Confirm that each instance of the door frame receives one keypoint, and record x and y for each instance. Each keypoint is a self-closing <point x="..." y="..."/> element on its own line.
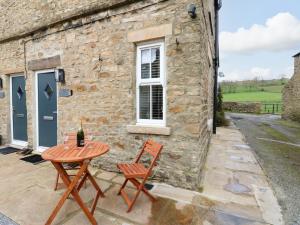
<point x="39" y="148"/>
<point x="13" y="141"/>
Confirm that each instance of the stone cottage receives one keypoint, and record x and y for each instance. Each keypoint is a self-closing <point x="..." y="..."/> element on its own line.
<point x="291" y="94"/>
<point x="129" y="69"/>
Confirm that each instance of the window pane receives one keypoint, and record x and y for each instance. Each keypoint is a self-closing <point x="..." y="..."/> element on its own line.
<point x="155" y="62"/>
<point x="145" y="67"/>
<point x="157" y="102"/>
<point x="144" y="102"/>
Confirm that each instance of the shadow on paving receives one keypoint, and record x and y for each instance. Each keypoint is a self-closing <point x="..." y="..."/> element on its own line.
<point x="277" y="144"/>
<point x="167" y="211"/>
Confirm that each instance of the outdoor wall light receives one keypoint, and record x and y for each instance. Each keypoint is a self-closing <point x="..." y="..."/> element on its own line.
<point x="192" y="11"/>
<point x="1" y="83"/>
<point x="60" y="76"/>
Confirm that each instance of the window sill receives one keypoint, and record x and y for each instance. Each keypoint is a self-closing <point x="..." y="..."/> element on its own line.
<point x="147" y="129"/>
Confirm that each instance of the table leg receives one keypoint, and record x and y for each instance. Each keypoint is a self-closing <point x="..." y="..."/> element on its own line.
<point x="71" y="190"/>
<point x="82" y="182"/>
<point x="96" y="186"/>
<point x="99" y="191"/>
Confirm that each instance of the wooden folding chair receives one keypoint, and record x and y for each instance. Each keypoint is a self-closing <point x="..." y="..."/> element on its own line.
<point x="71" y="138"/>
<point x="136" y="170"/>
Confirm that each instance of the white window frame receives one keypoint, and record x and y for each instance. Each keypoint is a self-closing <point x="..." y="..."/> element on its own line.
<point x="151" y="81"/>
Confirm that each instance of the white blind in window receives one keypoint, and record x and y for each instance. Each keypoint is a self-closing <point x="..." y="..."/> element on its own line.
<point x="150" y="63"/>
<point x="145" y="102"/>
<point x="150" y="84"/>
<point x="157" y="102"/>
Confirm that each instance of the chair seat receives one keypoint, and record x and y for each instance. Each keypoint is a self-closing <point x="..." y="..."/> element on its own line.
<point x="133" y="170"/>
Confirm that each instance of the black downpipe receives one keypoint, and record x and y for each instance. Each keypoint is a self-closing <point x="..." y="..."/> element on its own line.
<point x="218" y="5"/>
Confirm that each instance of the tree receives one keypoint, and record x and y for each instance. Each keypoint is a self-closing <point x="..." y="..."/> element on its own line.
<point x="220" y="115"/>
<point x="220" y="99"/>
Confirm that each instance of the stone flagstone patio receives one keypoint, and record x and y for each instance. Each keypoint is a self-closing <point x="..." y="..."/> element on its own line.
<point x="235" y="191"/>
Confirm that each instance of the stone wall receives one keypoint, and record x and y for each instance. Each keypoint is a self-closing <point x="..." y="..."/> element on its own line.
<point x="242" y="107"/>
<point x="104" y="91"/>
<point x="291" y="94"/>
<point x="11" y="61"/>
<point x="19" y="18"/>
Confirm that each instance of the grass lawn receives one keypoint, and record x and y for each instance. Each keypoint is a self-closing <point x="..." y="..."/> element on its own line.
<point x="260" y="96"/>
<point x="277" y="88"/>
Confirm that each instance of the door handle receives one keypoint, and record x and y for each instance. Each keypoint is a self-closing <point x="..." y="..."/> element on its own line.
<point x="20" y="115"/>
<point x="54" y="112"/>
<point x="48" y="117"/>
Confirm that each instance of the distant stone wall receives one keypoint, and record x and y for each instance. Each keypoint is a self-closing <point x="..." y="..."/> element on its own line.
<point x="291" y="95"/>
<point x="252" y="107"/>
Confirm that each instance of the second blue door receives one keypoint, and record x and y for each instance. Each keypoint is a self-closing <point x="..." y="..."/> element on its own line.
<point x="19" y="109"/>
<point x="47" y="109"/>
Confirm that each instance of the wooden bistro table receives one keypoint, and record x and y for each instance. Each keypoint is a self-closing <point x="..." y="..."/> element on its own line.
<point x="70" y="153"/>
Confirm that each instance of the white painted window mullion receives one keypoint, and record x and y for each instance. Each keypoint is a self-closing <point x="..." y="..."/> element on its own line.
<point x="151" y="116"/>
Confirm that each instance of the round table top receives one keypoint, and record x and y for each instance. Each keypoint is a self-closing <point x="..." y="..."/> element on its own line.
<point x="68" y="153"/>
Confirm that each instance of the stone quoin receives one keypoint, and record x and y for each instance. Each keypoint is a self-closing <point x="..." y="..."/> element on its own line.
<point x="291" y="94"/>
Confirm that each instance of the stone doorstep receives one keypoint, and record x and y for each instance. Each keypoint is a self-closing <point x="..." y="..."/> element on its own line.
<point x="174" y="193"/>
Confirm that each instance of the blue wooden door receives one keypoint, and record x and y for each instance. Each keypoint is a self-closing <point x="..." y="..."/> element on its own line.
<point x="19" y="111"/>
<point x="47" y="109"/>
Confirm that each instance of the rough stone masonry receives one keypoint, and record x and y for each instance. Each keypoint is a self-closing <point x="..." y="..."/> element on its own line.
<point x="95" y="42"/>
<point x="291" y="94"/>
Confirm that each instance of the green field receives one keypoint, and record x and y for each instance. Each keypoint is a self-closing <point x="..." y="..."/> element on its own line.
<point x="276" y="88"/>
<point x="269" y="93"/>
<point x="243" y="88"/>
<point x="260" y="96"/>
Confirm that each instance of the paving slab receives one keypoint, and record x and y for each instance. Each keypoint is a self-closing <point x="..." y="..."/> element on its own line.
<point x="26" y="188"/>
<point x="234" y="180"/>
<point x="119" y="179"/>
<point x="177" y="194"/>
<point x="105" y="175"/>
<point x="247" y="167"/>
<point x="33" y="206"/>
<point x="101" y="218"/>
<point x="268" y="204"/>
<point x="115" y="204"/>
<point x="4" y="220"/>
<point x="220" y="218"/>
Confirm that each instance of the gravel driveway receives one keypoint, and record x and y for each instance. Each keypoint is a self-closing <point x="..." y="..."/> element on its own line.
<point x="277" y="146"/>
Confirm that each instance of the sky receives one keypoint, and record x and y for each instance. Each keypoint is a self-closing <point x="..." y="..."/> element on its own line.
<point x="258" y="38"/>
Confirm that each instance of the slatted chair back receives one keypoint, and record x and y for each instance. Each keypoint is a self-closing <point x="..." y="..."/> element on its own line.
<point x="138" y="174"/>
<point x="152" y="148"/>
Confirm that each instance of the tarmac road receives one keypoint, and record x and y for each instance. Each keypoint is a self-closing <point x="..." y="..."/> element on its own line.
<point x="276" y="143"/>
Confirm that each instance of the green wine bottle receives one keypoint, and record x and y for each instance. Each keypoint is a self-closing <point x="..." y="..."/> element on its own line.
<point x="80" y="136"/>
